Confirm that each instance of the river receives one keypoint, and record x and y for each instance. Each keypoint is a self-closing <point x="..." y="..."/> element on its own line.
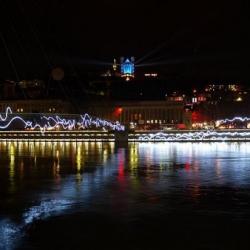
<point x="86" y="195"/>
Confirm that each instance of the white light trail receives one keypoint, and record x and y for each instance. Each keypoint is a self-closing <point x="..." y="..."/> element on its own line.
<point x="235" y="119"/>
<point x="52" y="122"/>
<point x="196" y="136"/>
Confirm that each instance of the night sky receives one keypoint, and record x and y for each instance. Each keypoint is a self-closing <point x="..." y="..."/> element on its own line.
<point x="189" y="41"/>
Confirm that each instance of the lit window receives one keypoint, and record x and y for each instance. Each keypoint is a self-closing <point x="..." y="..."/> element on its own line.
<point x="194" y="100"/>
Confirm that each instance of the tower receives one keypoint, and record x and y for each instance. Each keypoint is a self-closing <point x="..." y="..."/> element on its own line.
<point x="115" y="65"/>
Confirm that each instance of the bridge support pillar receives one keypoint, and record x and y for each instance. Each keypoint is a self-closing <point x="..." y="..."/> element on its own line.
<point x="121" y="137"/>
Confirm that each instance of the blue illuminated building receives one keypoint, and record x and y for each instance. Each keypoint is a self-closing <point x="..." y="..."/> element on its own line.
<point x="127" y="68"/>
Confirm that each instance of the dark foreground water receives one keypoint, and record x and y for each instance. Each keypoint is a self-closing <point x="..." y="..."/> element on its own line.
<point x="144" y="196"/>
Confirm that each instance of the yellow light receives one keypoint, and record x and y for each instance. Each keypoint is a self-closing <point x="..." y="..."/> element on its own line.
<point x="12" y="167"/>
<point x="79" y="158"/>
<point x="134" y="157"/>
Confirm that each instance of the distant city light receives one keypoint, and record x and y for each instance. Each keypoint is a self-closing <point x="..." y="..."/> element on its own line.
<point x="153" y="75"/>
<point x="118" y="111"/>
<point x="115" y="65"/>
<point x="194" y="100"/>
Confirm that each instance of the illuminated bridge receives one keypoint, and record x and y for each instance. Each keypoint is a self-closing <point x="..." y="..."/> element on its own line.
<point x="98" y="136"/>
<point x="41" y="127"/>
<point x="142" y="136"/>
<point x="191" y="136"/>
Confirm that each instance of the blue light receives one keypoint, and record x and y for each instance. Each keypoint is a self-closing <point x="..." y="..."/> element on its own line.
<point x="127" y="67"/>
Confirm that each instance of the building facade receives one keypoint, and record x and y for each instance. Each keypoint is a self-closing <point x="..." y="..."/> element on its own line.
<point x="36" y="106"/>
<point x="143" y="114"/>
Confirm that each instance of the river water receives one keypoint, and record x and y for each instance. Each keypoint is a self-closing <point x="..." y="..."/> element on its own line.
<point x="142" y="196"/>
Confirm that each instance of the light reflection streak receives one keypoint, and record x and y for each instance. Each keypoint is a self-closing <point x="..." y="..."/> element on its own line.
<point x="79" y="158"/>
<point x="21" y="170"/>
<point x="133" y="157"/>
<point x="57" y="162"/>
<point x="12" y="168"/>
<point x="105" y="155"/>
<point x="11" y="232"/>
<point x="44" y="210"/>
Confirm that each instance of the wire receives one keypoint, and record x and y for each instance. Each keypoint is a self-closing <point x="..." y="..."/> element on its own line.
<point x="9" y="57"/>
<point x="162" y="45"/>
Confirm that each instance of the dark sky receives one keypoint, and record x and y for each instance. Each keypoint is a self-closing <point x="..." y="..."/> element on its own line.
<point x="201" y="40"/>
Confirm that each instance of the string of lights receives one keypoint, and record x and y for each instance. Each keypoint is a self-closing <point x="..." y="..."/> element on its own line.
<point x="235" y="119"/>
<point x="196" y="136"/>
<point x="56" y="122"/>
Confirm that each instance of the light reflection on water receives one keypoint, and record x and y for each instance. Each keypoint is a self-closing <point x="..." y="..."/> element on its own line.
<point x="55" y="173"/>
<point x="41" y="180"/>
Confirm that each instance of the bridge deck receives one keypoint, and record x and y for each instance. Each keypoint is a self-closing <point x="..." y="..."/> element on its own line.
<point x="56" y="136"/>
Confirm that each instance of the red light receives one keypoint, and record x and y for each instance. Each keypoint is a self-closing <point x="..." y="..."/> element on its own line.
<point x="187" y="166"/>
<point x="121" y="167"/>
<point x="118" y="111"/>
<point x="195" y="116"/>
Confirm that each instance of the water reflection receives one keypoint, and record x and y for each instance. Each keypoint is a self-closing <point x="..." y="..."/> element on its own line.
<point x="42" y="175"/>
<point x="12" y="168"/>
<point x="39" y="180"/>
<point x="194" y="163"/>
<point x="34" y="154"/>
